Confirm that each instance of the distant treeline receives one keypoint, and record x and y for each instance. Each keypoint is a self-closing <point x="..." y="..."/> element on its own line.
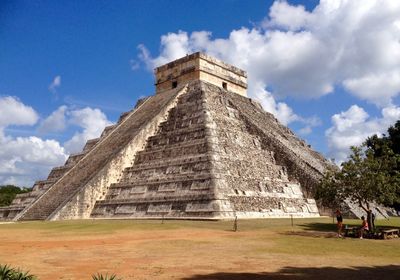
<point x="8" y="193"/>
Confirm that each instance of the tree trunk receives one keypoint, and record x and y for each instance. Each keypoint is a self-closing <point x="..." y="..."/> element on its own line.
<point x="369" y="220"/>
<point x="369" y="215"/>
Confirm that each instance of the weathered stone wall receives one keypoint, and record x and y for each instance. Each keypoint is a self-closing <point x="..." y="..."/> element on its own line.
<point x="250" y="178"/>
<point x="302" y="163"/>
<point x="199" y="66"/>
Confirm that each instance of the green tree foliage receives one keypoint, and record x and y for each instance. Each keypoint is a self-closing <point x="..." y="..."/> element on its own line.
<point x="8" y="193"/>
<point x="363" y="179"/>
<point x="380" y="145"/>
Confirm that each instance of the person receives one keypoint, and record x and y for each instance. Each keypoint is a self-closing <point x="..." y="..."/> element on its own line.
<point x="339" y="219"/>
<point x="235" y="224"/>
<point x="364" y="227"/>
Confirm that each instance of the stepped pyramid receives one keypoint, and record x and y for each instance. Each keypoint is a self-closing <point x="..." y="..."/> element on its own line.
<point x="197" y="149"/>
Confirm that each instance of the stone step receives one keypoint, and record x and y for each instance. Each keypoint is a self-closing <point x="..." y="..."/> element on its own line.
<point x="74" y="158"/>
<point x="159" y="172"/>
<point x="168" y="162"/>
<point x="154" y="149"/>
<point x="161" y="199"/>
<point x="179" y="131"/>
<point x="172" y="153"/>
<point x="178" y="114"/>
<point x="58" y="172"/>
<point x="101" y="153"/>
<point x="90" y="144"/>
<point x="164" y="180"/>
<point x="107" y="130"/>
<point x="180" y="124"/>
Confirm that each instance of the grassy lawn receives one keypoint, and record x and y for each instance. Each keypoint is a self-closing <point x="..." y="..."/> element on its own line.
<point x="142" y="249"/>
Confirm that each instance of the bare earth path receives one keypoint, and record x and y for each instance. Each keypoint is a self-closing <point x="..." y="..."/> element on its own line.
<point x="263" y="249"/>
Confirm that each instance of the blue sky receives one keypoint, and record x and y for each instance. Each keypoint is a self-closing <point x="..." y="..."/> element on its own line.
<point x="330" y="70"/>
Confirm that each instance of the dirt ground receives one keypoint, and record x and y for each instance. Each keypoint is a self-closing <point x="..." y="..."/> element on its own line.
<point x="187" y="252"/>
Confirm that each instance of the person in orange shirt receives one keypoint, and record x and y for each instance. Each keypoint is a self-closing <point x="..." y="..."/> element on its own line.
<point x="364" y="227"/>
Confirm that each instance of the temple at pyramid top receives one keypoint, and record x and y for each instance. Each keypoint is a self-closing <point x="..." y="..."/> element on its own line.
<point x="199" y="66"/>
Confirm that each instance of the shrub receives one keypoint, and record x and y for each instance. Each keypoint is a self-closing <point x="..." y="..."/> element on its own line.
<point x="9" y="273"/>
<point x="105" y="277"/>
<point x="5" y="272"/>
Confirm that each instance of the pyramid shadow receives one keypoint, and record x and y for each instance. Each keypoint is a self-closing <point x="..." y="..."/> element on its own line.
<point x="389" y="272"/>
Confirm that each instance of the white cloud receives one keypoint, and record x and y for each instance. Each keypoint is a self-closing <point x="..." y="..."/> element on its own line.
<point x="22" y="159"/>
<point x="135" y="65"/>
<point x="56" y="122"/>
<point x="352" y="127"/>
<point x="14" y="112"/>
<point x="56" y="83"/>
<point x="281" y="110"/>
<point x="281" y="14"/>
<point x="92" y="122"/>
<point x="305" y="54"/>
<point x="175" y="45"/>
<point x="370" y="87"/>
<point x="26" y="159"/>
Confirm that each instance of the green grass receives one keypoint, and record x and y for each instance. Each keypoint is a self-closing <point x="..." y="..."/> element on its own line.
<point x="112" y="226"/>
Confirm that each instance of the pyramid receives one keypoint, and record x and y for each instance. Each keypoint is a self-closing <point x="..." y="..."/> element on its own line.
<point x="197" y="149"/>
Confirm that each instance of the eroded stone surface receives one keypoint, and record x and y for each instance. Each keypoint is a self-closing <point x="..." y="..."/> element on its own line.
<point x="207" y="161"/>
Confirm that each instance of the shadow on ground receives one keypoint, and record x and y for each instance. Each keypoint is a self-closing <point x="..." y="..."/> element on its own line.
<point x="390" y="272"/>
<point x="319" y="227"/>
<point x="316" y="234"/>
<point x="319" y="230"/>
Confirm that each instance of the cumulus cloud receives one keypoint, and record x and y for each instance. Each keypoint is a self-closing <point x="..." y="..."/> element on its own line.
<point x="26" y="159"/>
<point x="352" y="127"/>
<point x="56" y="122"/>
<point x="14" y="112"/>
<point x="369" y="87"/>
<point x="306" y="54"/>
<point x="281" y="14"/>
<point x="92" y="122"/>
<point x="56" y="83"/>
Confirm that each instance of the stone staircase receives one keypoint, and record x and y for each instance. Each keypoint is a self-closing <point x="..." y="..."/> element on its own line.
<point x="96" y="153"/>
<point x="171" y="174"/>
<point x="204" y="163"/>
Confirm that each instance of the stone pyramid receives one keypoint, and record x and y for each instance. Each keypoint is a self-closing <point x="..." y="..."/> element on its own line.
<point x="197" y="149"/>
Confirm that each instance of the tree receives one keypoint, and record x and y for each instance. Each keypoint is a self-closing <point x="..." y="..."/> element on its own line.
<point x="363" y="179"/>
<point x="8" y="193"/>
<point x="379" y="146"/>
